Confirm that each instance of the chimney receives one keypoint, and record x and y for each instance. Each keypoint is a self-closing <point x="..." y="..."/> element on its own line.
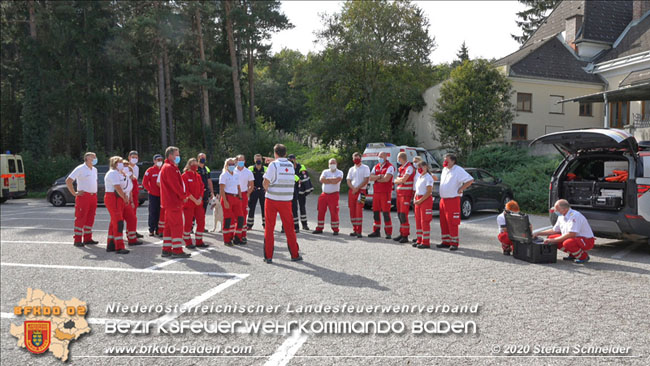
<point x="573" y="24"/>
<point x="639" y="7"/>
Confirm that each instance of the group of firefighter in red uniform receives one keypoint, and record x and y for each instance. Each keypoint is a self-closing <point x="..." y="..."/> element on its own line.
<point x="178" y="199"/>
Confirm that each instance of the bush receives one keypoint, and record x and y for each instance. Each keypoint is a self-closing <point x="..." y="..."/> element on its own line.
<point x="527" y="175"/>
<point x="40" y="174"/>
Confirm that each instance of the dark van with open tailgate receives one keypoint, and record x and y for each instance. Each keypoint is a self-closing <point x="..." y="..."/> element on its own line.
<point x="605" y="176"/>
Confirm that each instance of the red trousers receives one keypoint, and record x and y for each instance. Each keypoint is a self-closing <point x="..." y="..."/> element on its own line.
<point x="190" y="213"/>
<point x="243" y="213"/>
<point x="449" y="220"/>
<point x="423" y="213"/>
<point x="403" y="208"/>
<point x="230" y="215"/>
<point x="131" y="222"/>
<point x="161" y="220"/>
<point x="271" y="210"/>
<point x="85" y="207"/>
<point x="356" y="210"/>
<point x="173" y="234"/>
<point x="577" y="246"/>
<point x="328" y="201"/>
<point x="135" y="192"/>
<point x="506" y="244"/>
<point x="115" y="206"/>
<point x="381" y="204"/>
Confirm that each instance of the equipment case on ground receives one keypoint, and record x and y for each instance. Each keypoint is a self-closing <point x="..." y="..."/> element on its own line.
<point x="525" y="248"/>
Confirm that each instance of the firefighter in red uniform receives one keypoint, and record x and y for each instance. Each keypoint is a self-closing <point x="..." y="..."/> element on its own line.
<point x="193" y="208"/>
<point x="128" y="185"/>
<point x="85" y="202"/>
<point x="404" y="181"/>
<point x="150" y="183"/>
<point x="453" y="182"/>
<point x="172" y="196"/>
<point x="279" y="184"/>
<point x="114" y="200"/>
<point x="230" y="191"/>
<point x="382" y="175"/>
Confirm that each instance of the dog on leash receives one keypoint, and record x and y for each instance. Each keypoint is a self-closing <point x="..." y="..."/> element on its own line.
<point x="217" y="213"/>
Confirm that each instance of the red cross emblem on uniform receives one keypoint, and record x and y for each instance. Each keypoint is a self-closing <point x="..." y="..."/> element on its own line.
<point x="286" y="170"/>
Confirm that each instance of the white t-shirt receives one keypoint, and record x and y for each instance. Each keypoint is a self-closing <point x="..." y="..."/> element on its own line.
<point x="501" y="221"/>
<point x="417" y="176"/>
<point x="328" y="174"/>
<point x="136" y="171"/>
<point x="86" y="178"/>
<point x="573" y="222"/>
<point x="111" y="179"/>
<point x="357" y="174"/>
<point x="424" y="181"/>
<point x="230" y="181"/>
<point x="244" y="177"/>
<point x="127" y="185"/>
<point x="451" y="180"/>
<point x="390" y="170"/>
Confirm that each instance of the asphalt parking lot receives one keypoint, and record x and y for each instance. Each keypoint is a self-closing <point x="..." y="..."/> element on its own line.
<point x="603" y="303"/>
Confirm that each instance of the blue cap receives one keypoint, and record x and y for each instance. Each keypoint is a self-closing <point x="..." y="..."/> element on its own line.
<point x="157" y="156"/>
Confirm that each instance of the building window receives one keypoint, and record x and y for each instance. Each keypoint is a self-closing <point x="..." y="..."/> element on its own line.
<point x="519" y="131"/>
<point x="619" y="114"/>
<point x="585" y="109"/>
<point x="524" y="102"/>
<point x="556" y="106"/>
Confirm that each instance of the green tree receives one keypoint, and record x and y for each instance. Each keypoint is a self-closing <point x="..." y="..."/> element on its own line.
<point x="372" y="72"/>
<point x="461" y="56"/>
<point x="474" y="107"/>
<point x="531" y="18"/>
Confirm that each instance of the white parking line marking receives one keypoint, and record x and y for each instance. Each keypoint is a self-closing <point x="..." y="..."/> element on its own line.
<point x="117" y="269"/>
<point x="176" y="260"/>
<point x="199" y="299"/>
<point x="626" y="251"/>
<point x="287" y="350"/>
<point x="63" y="243"/>
<point x="481" y="219"/>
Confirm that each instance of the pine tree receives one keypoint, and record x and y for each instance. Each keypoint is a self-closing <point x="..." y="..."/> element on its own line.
<point x="533" y="17"/>
<point x="462" y="56"/>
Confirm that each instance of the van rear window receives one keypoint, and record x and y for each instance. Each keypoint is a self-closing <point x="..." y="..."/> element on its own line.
<point x="12" y="165"/>
<point x="20" y="166"/>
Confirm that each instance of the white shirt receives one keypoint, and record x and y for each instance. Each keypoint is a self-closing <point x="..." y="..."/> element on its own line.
<point x="451" y="180"/>
<point x="86" y="178"/>
<point x="244" y="177"/>
<point x="136" y="171"/>
<point x="573" y="222"/>
<point x="111" y="179"/>
<point x="417" y="176"/>
<point x="357" y="174"/>
<point x="424" y="181"/>
<point x="501" y="221"/>
<point x="328" y="174"/>
<point x="127" y="185"/>
<point x="281" y="177"/>
<point x="230" y="181"/>
<point x="390" y="170"/>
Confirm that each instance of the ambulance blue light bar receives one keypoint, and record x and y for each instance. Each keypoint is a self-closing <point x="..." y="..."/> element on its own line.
<point x="379" y="144"/>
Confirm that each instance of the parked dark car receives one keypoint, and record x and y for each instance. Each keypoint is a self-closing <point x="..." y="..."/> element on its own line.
<point x="486" y="193"/>
<point x="58" y="195"/>
<point x="586" y="177"/>
<point x="214" y="177"/>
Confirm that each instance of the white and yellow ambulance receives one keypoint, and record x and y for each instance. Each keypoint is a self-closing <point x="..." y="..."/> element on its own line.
<point x="12" y="177"/>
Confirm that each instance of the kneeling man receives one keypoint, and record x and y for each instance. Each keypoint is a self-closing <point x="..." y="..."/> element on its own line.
<point x="571" y="232"/>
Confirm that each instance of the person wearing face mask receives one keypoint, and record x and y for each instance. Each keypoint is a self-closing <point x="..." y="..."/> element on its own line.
<point x="246" y="180"/>
<point x="423" y="206"/>
<point x="230" y="191"/>
<point x="357" y="180"/>
<point x="204" y="173"/>
<point x="135" y="193"/>
<point x="404" y="181"/>
<point x="193" y="207"/>
<point x="172" y="198"/>
<point x="453" y="181"/>
<point x="257" y="195"/>
<point x="382" y="175"/>
<point x="571" y="232"/>
<point x="150" y="183"/>
<point x="85" y="202"/>
<point x="114" y="199"/>
<point x="329" y="200"/>
<point x="129" y="213"/>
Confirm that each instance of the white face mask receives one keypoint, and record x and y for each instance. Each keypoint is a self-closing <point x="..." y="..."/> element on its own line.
<point x="333" y="167"/>
<point x="120" y="166"/>
<point x="159" y="164"/>
<point x="134" y="160"/>
<point x="127" y="172"/>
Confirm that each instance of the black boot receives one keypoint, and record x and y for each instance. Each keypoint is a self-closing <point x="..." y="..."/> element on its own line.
<point x="375" y="234"/>
<point x="110" y="247"/>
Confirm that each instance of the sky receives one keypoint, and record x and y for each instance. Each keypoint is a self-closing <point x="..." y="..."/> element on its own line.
<point x="485" y="26"/>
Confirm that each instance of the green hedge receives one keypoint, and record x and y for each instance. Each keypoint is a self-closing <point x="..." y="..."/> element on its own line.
<point x="527" y="175"/>
<point x="40" y="174"/>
